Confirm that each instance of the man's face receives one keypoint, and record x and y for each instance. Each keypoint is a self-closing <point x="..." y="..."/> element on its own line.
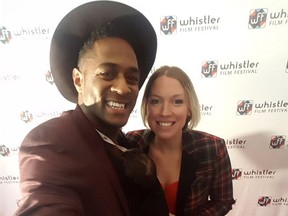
<point x="107" y="82"/>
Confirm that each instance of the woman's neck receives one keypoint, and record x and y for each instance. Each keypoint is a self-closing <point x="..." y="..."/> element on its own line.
<point x="167" y="155"/>
<point x="168" y="145"/>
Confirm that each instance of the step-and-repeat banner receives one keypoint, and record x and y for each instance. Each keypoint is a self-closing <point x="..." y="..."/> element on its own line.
<point x="235" y="51"/>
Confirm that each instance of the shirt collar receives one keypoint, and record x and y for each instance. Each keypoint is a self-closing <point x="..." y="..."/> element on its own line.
<point x="108" y="140"/>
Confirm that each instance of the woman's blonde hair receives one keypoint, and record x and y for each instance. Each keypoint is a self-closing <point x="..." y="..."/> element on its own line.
<point x="183" y="78"/>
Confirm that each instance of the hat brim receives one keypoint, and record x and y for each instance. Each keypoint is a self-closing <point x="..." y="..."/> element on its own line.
<point x="75" y="28"/>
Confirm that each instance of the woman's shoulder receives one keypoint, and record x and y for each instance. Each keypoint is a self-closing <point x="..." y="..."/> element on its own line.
<point x="200" y="141"/>
<point x="138" y="132"/>
<point x="197" y="134"/>
<point x="140" y="137"/>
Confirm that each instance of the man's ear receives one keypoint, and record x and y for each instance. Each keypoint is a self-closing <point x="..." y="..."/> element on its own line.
<point x="77" y="79"/>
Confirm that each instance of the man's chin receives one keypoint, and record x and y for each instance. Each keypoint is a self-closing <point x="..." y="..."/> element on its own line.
<point x="120" y="124"/>
<point x="117" y="123"/>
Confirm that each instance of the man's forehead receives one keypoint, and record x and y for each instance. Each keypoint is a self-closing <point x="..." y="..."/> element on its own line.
<point x="116" y="67"/>
<point x="111" y="42"/>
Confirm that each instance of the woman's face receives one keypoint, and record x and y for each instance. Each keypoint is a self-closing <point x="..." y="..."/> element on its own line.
<point x="167" y="108"/>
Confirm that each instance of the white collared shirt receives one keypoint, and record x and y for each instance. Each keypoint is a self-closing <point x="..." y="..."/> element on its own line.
<point x="108" y="140"/>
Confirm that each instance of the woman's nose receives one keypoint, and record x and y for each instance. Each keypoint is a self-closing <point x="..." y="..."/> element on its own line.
<point x="166" y="109"/>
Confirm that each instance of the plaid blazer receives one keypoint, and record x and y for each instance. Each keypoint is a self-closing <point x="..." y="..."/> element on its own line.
<point x="205" y="182"/>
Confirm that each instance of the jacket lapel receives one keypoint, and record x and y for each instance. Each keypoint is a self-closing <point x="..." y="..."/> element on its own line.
<point x="187" y="176"/>
<point x="97" y="145"/>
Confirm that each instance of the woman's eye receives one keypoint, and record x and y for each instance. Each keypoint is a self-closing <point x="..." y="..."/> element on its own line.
<point x="154" y="101"/>
<point x="178" y="101"/>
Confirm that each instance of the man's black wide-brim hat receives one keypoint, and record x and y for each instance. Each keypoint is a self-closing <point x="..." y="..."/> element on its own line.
<point x="76" y="27"/>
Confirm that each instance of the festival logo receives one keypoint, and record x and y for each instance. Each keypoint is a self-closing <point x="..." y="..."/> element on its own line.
<point x="236" y="174"/>
<point x="26" y="116"/>
<point x="281" y="201"/>
<point x="278" y="18"/>
<point x="245" y="67"/>
<point x="264" y="201"/>
<point x="209" y="69"/>
<point x="5" y="35"/>
<point x="135" y="113"/>
<point x="238" y="67"/>
<point x="253" y="174"/>
<point x="4" y="151"/>
<point x="9" y="179"/>
<point x="206" y="110"/>
<point x="257" y="18"/>
<point x="236" y="143"/>
<point x="49" y="77"/>
<point x="277" y="106"/>
<point x="277" y="142"/>
<point x="258" y="174"/>
<point x="168" y="25"/>
<point x="198" y="24"/>
<point x="7" y="77"/>
<point x="244" y="107"/>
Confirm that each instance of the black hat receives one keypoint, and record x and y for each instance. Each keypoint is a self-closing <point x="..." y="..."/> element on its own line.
<point x="76" y="27"/>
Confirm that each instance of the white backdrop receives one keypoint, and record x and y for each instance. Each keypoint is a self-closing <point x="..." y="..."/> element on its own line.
<point x="235" y="51"/>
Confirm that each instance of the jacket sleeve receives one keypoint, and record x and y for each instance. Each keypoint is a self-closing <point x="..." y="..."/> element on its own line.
<point x="44" y="177"/>
<point x="221" y="193"/>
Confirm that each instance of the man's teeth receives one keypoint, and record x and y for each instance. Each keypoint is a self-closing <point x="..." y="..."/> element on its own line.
<point x="116" y="105"/>
<point x="165" y="124"/>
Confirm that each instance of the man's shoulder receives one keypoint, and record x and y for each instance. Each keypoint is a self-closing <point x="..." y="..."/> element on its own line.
<point x="58" y="121"/>
<point x="51" y="128"/>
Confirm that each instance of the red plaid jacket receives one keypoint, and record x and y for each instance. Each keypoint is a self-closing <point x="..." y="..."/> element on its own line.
<point x="205" y="183"/>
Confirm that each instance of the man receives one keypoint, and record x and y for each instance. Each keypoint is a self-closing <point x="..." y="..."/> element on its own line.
<point x="101" y="53"/>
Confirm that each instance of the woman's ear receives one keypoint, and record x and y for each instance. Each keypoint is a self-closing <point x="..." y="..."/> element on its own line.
<point x="189" y="115"/>
<point x="77" y="77"/>
<point x="188" y="119"/>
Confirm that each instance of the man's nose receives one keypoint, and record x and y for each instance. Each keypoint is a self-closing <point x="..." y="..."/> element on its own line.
<point x="120" y="86"/>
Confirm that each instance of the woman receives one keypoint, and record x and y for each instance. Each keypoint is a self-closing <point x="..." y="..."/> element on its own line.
<point x="193" y="167"/>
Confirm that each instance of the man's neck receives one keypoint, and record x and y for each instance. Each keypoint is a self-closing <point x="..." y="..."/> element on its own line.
<point x="112" y="135"/>
<point x="111" y="131"/>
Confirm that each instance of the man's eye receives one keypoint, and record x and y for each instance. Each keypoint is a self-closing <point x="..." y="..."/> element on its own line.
<point x="132" y="80"/>
<point x="109" y="75"/>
